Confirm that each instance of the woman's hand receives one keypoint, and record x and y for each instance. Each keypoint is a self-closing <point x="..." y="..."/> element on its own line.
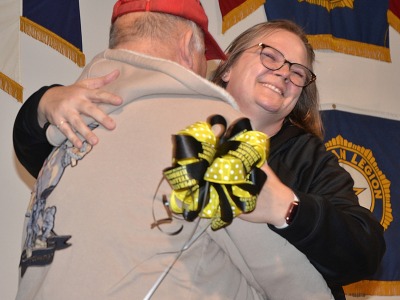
<point x="64" y="106"/>
<point x="272" y="202"/>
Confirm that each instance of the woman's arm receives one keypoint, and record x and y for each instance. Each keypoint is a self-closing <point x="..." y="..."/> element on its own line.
<point x="63" y="106"/>
<point x="29" y="138"/>
<point x="342" y="239"/>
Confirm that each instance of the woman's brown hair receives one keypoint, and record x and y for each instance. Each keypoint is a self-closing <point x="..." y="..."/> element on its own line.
<point x="306" y="113"/>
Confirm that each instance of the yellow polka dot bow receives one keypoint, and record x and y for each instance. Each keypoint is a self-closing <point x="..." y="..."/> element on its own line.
<point x="217" y="176"/>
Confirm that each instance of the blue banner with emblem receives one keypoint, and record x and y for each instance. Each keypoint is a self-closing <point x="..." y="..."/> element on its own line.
<point x="368" y="148"/>
<point x="349" y="26"/>
<point x="56" y="23"/>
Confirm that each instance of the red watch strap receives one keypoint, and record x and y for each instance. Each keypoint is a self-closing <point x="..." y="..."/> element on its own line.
<point x="292" y="211"/>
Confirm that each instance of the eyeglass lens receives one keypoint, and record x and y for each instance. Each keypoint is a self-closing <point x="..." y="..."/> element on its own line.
<point x="274" y="60"/>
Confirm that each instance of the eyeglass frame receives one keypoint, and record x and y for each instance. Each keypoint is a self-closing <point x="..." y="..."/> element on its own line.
<point x="285" y="61"/>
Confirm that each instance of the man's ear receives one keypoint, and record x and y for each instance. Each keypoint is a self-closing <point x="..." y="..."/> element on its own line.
<point x="186" y="49"/>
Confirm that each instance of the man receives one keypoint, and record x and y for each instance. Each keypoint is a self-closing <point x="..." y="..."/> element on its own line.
<point x="93" y="228"/>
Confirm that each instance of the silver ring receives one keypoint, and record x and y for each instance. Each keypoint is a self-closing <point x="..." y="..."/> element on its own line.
<point x="61" y="124"/>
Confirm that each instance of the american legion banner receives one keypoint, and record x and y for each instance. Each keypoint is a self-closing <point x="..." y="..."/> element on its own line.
<point x="367" y="146"/>
<point x="56" y="23"/>
<point x="356" y="27"/>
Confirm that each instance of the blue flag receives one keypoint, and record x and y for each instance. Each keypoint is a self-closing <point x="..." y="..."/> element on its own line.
<point x="56" y="23"/>
<point x="368" y="148"/>
<point x="353" y="27"/>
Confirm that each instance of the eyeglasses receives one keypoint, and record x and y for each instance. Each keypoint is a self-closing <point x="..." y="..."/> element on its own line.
<point x="273" y="60"/>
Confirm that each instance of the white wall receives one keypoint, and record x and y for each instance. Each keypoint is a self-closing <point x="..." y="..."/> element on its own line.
<point x="341" y="78"/>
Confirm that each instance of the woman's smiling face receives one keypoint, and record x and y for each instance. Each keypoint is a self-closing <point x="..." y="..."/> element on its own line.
<point x="259" y="91"/>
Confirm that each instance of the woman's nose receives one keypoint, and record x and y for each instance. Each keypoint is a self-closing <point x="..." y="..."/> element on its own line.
<point x="283" y="71"/>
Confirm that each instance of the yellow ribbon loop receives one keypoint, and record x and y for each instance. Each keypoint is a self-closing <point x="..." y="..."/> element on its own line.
<point x="217" y="177"/>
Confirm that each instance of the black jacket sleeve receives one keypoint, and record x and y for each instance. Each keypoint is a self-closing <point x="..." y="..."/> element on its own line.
<point x="30" y="144"/>
<point x="342" y="239"/>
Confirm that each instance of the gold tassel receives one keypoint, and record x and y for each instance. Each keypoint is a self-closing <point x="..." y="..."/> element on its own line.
<point x="393" y="20"/>
<point x="11" y="87"/>
<point x="327" y="41"/>
<point x="373" y="287"/>
<point x="239" y="13"/>
<point x="53" y="40"/>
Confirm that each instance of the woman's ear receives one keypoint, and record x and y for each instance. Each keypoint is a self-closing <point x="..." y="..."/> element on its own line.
<point x="226" y="76"/>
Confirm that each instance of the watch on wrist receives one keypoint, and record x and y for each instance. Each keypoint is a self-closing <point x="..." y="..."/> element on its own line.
<point x="292" y="211"/>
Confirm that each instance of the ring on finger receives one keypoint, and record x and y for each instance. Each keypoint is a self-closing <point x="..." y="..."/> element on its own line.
<point x="61" y="124"/>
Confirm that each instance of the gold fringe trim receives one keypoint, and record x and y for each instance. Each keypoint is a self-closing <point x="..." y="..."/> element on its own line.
<point x="51" y="39"/>
<point x="11" y="87"/>
<point x="393" y="20"/>
<point x="327" y="41"/>
<point x="239" y="13"/>
<point x="373" y="287"/>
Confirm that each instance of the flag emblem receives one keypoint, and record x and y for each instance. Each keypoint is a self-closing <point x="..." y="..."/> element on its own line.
<point x="331" y="4"/>
<point x="370" y="184"/>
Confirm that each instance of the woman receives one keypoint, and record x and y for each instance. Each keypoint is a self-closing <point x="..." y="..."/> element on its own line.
<point x="308" y="198"/>
<point x="269" y="73"/>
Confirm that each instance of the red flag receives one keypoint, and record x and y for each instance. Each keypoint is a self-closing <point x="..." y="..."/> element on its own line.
<point x="394" y="14"/>
<point x="233" y="11"/>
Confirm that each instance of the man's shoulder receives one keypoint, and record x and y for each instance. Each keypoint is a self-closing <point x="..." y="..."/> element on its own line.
<point x="152" y="73"/>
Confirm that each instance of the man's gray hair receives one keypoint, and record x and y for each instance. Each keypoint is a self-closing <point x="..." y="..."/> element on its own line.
<point x="161" y="27"/>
